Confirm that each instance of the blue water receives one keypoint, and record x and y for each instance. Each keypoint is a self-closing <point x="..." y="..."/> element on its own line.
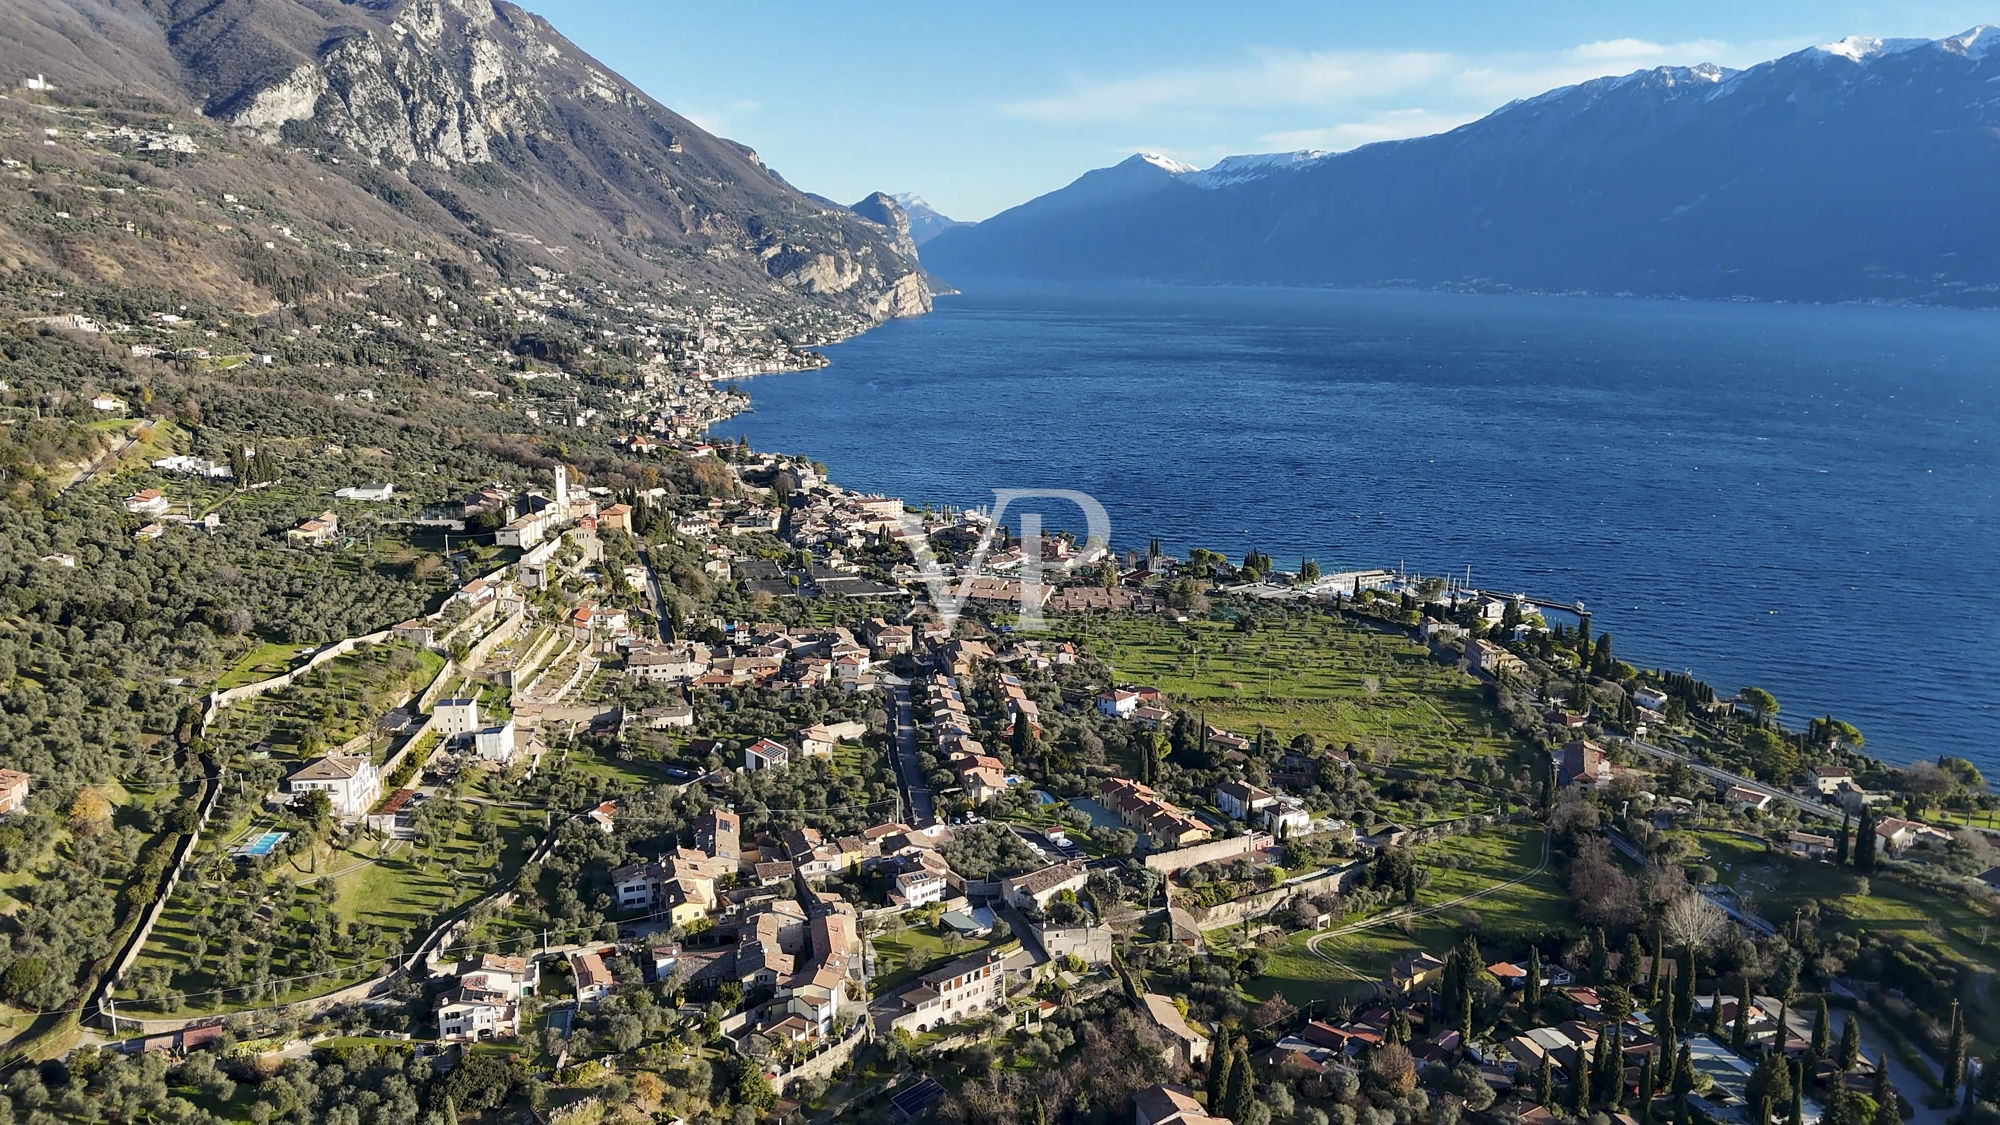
<point x="1801" y="498"/>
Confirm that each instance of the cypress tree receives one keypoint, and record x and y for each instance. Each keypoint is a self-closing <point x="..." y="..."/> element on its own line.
<point x="1822" y="1031"/>
<point x="1599" y="955"/>
<point x="1797" y="1116"/>
<point x="1628" y="961"/>
<point x="1647" y="1084"/>
<point x="1600" y="1067"/>
<point x="1534" y="991"/>
<point x="1545" y="1083"/>
<point x="1659" y="962"/>
<point x="1763" y="1111"/>
<point x="1886" y="1112"/>
<point x="1684" y="999"/>
<point x="1850" y="1045"/>
<point x="1842" y="844"/>
<point x="1465" y="1016"/>
<point x="1739" y="1035"/>
<point x="1242" y="1094"/>
<point x="1579" y="1089"/>
<point x="1614" y="1068"/>
<point x="1864" y="842"/>
<point x="1218" y="1077"/>
<point x="1683" y="1072"/>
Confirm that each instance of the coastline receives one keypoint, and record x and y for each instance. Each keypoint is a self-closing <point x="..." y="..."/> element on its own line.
<point x="1594" y="604"/>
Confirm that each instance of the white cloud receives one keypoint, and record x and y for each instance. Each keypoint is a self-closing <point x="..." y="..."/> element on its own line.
<point x="1365" y="94"/>
<point x="722" y="120"/>
<point x="1387" y="125"/>
<point x="1269" y="79"/>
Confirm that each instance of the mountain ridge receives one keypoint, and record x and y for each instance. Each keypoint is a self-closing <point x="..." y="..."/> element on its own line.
<point x="524" y="146"/>
<point x="1800" y="178"/>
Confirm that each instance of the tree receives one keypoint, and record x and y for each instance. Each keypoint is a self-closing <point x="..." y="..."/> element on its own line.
<point x="1865" y="841"/>
<point x="1886" y="1111"/>
<point x="1545" y="1083"/>
<point x="1579" y="1090"/>
<point x="1218" y="1076"/>
<point x="1850" y="1044"/>
<point x="1797" y="1115"/>
<point x="1647" y="1087"/>
<point x="1692" y="922"/>
<point x="1762" y="703"/>
<point x="1242" y="1092"/>
<point x="1739" y="1035"/>
<point x="1393" y="1066"/>
<point x="1534" y="990"/>
<point x="1842" y="843"/>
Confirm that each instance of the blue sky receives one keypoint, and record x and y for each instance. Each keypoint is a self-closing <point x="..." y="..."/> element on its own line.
<point x="978" y="107"/>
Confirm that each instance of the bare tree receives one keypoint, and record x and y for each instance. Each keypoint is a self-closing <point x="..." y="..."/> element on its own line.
<point x="1692" y="921"/>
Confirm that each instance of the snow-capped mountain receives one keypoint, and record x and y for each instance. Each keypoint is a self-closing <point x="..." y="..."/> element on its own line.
<point x="926" y="222"/>
<point x="1856" y="170"/>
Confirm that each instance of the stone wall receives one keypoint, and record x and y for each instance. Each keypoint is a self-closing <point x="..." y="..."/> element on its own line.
<point x="1166" y="863"/>
<point x="1264" y="902"/>
<point x="823" y="1065"/>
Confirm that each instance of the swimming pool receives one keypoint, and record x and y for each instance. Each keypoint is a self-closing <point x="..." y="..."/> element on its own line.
<point x="262" y="845"/>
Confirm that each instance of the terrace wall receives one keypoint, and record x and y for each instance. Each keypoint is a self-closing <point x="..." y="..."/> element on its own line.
<point x="1166" y="863"/>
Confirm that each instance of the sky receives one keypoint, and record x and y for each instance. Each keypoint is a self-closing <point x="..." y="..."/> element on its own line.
<point x="978" y="107"/>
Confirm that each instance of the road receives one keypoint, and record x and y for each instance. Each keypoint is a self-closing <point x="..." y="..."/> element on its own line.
<point x="1724" y="777"/>
<point x="109" y="456"/>
<point x="909" y="767"/>
<point x="660" y="619"/>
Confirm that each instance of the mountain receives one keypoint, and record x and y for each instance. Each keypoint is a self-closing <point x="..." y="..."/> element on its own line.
<point x="473" y="125"/>
<point x="882" y="209"/>
<point x="1859" y="170"/>
<point x="926" y="222"/>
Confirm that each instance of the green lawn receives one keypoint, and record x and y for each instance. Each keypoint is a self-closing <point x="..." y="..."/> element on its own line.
<point x="900" y="955"/>
<point x="396" y="888"/>
<point x="1306" y="672"/>
<point x="268" y="659"/>
<point x="1506" y="917"/>
<point x="1778" y="885"/>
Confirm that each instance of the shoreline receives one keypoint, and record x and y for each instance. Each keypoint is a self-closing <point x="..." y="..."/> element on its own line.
<point x="1556" y="606"/>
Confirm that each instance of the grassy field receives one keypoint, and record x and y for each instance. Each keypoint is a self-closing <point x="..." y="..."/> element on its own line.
<point x="1307" y="673"/>
<point x="1483" y="861"/>
<point x="394" y="887"/>
<point x="1778" y="885"/>
<point x="900" y="955"/>
<point x="268" y="659"/>
<point x="338" y="699"/>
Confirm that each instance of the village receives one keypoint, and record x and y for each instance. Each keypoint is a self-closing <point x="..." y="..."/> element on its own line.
<point x="808" y="949"/>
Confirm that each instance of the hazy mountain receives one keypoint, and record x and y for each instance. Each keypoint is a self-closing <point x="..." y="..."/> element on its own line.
<point x="926" y="222"/>
<point x="1857" y="170"/>
<point x="475" y="122"/>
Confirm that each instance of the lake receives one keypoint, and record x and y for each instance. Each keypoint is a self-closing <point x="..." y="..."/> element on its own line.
<point x="1797" y="497"/>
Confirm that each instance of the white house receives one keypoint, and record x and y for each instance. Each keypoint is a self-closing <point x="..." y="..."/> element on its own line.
<point x="109" y="404"/>
<point x="1827" y="780"/>
<point x="765" y="754"/>
<point x="485" y="1004"/>
<point x="372" y="493"/>
<point x="495" y="744"/>
<point x="351" y="783"/>
<point x="921" y="887"/>
<point x="593" y="980"/>
<point x="1287" y="815"/>
<point x="1651" y="699"/>
<point x="454" y="717"/>
<point x="1118" y="703"/>
<point x="147" y="502"/>
<point x="1239" y="800"/>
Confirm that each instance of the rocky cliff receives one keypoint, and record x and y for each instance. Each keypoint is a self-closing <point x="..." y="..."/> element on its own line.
<point x="479" y="120"/>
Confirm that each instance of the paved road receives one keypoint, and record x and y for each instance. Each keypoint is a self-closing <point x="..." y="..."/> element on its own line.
<point x="1724" y="777"/>
<point x="110" y="456"/>
<point x="909" y="767"/>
